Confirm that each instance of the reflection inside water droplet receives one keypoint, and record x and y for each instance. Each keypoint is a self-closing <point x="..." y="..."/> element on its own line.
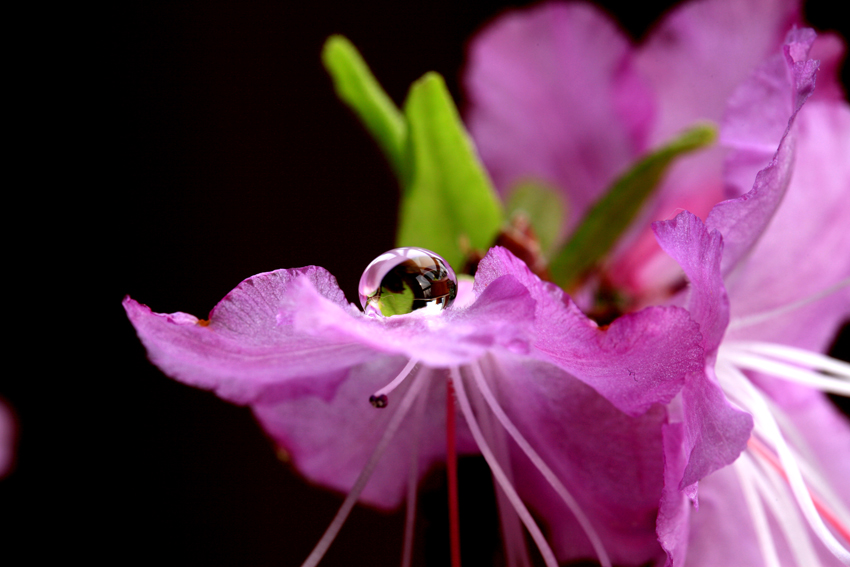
<point x="406" y="279"/>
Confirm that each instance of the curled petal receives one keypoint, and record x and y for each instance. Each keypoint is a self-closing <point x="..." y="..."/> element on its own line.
<point x="715" y="433"/>
<point x="809" y="233"/>
<point x="698" y="251"/>
<point x="777" y="89"/>
<point x="640" y="359"/>
<point x="248" y="348"/>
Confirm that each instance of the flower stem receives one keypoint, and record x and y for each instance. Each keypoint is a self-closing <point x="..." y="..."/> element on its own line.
<point x="451" y="466"/>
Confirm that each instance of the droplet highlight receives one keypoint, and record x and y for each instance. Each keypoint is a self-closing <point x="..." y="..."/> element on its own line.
<point x="403" y="280"/>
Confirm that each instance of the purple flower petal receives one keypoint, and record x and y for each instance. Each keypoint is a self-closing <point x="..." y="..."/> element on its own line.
<point x="715" y="432"/>
<point x="701" y="51"/>
<point x="808" y="233"/>
<point x="751" y="127"/>
<point x="554" y="96"/>
<point x="699" y="252"/>
<point x="248" y="347"/>
<point x="640" y="359"/>
<point x="610" y="462"/>
<point x="674" y="510"/>
<point x="330" y="440"/>
<point x="500" y="316"/>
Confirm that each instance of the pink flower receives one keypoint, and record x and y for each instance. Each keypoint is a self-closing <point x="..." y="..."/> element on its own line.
<point x="560" y="96"/>
<point x="582" y="404"/>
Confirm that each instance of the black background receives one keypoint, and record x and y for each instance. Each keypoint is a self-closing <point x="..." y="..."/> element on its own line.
<point x="180" y="148"/>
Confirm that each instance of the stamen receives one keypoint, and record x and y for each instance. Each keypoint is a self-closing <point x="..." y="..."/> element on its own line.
<point x="379" y="398"/>
<point x="413" y="480"/>
<point x="451" y="470"/>
<point x="771" y="432"/>
<point x="513" y="533"/>
<point x="768" y="457"/>
<point x="744" y="469"/>
<point x="351" y="499"/>
<point x="541" y="465"/>
<point x="758" y="362"/>
<point x="767" y="315"/>
<point x="774" y="491"/>
<point x="804" y="357"/>
<point x="498" y="473"/>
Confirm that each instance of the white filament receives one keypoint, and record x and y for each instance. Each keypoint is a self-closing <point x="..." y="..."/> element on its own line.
<point x="498" y="473"/>
<point x="773" y="435"/>
<point x="351" y="499"/>
<point x="413" y="480"/>
<point x="541" y="465"/>
<point x="397" y="380"/>
<point x="774" y="490"/>
<point x="744" y="469"/>
<point x="741" y="358"/>
<point x="516" y="551"/>
<point x="750" y="320"/>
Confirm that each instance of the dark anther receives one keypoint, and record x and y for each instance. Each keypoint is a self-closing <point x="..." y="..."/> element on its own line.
<point x="378" y="401"/>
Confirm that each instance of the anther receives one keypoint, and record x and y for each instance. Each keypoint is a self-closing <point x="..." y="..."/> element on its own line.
<point x="378" y="401"/>
<point x="379" y="398"/>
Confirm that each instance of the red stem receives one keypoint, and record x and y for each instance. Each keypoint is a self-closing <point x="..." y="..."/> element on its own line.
<point x="451" y="465"/>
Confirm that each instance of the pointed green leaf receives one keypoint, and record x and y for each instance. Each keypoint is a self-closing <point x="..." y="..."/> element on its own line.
<point x="613" y="213"/>
<point x="544" y="208"/>
<point x="447" y="193"/>
<point x="358" y="88"/>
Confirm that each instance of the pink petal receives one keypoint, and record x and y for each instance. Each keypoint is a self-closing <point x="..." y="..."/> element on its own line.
<point x="674" y="511"/>
<point x="699" y="253"/>
<point x="500" y="316"/>
<point x="554" y="96"/>
<point x="701" y="51"/>
<point x="610" y="462"/>
<point x="640" y="359"/>
<point x="715" y="432"/>
<point x="808" y="233"/>
<point x="754" y="121"/>
<point x="330" y="440"/>
<point x="248" y="348"/>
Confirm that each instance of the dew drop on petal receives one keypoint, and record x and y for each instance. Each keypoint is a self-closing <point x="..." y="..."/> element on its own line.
<point x="406" y="279"/>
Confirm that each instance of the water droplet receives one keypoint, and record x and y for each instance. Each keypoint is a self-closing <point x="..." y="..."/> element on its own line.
<point x="406" y="279"/>
<point x="378" y="401"/>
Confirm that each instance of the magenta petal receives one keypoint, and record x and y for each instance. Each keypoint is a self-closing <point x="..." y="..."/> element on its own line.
<point x="609" y="461"/>
<point x="699" y="253"/>
<point x="500" y="316"/>
<point x="808" y="232"/>
<point x="756" y="117"/>
<point x="554" y="96"/>
<point x="674" y="510"/>
<point x="330" y="440"/>
<point x="702" y="51"/>
<point x="715" y="432"/>
<point x="721" y="531"/>
<point x="640" y="359"/>
<point x="248" y="349"/>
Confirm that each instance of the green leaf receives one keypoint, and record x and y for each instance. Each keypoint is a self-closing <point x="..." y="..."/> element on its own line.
<point x="396" y="302"/>
<point x="358" y="88"/>
<point x="613" y="213"/>
<point x="447" y="194"/>
<point x="544" y="208"/>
